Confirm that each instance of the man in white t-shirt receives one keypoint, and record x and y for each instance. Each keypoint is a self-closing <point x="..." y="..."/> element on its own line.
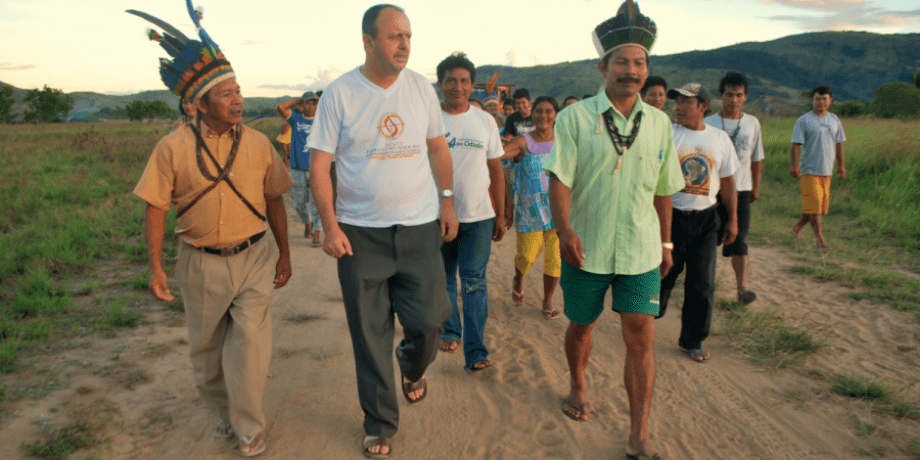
<point x="382" y="123"/>
<point x="475" y="149"/>
<point x="821" y="135"/>
<point x="708" y="161"/>
<point x="744" y="131"/>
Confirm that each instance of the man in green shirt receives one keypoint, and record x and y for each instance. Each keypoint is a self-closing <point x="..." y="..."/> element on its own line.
<point x="612" y="171"/>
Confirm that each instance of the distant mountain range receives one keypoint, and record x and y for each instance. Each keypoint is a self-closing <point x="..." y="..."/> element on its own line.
<point x="854" y="64"/>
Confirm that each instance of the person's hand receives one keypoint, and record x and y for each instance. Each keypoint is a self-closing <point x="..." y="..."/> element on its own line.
<point x="841" y="172"/>
<point x="570" y="247"/>
<point x="499" y="231"/>
<point x="755" y="193"/>
<point x="667" y="261"/>
<point x="336" y="244"/>
<point x="282" y="271"/>
<point x="158" y="285"/>
<point x="449" y="224"/>
<point x="731" y="232"/>
<point x="795" y="171"/>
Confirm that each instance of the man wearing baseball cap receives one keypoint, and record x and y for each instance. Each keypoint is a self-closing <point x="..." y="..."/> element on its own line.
<point x="708" y="162"/>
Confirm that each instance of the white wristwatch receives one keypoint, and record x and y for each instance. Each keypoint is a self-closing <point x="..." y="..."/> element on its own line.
<point x="668" y="246"/>
<point x="447" y="193"/>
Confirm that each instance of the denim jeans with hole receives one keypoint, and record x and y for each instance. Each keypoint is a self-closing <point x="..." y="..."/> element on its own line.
<point x="469" y="254"/>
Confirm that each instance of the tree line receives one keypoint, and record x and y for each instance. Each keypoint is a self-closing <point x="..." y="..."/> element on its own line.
<point x="892" y="100"/>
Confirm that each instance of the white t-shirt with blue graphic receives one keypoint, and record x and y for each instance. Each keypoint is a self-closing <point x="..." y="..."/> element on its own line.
<point x="473" y="139"/>
<point x="705" y="157"/>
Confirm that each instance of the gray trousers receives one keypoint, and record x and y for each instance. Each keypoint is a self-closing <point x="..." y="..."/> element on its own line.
<point x="393" y="270"/>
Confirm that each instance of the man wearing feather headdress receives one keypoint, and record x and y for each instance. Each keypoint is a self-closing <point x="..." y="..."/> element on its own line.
<point x="227" y="181"/>
<point x="612" y="172"/>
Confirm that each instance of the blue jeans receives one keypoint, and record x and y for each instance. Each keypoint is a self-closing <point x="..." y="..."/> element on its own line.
<point x="470" y="253"/>
<point x="300" y="194"/>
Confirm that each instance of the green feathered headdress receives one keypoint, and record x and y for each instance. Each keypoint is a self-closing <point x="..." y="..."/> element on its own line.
<point x="628" y="28"/>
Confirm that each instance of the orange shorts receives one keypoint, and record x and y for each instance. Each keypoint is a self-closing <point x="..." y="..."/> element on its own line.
<point x="816" y="194"/>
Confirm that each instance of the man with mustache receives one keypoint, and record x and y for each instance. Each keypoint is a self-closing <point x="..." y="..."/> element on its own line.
<point x="612" y="171"/>
<point x="708" y="155"/>
<point x="382" y="123"/>
<point x="744" y="131"/>
<point x="227" y="182"/>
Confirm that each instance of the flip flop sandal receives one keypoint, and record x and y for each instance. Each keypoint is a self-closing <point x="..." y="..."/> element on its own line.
<point x="224" y="430"/>
<point x="258" y="441"/>
<point x="583" y="409"/>
<point x="410" y="387"/>
<point x="372" y="441"/>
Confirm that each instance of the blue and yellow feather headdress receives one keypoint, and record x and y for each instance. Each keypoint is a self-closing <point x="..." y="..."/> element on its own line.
<point x="196" y="66"/>
<point x="628" y="28"/>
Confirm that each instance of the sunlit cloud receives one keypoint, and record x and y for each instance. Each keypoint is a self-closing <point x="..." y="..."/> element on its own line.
<point x="819" y="5"/>
<point x="322" y="78"/>
<point x="12" y="66"/>
<point x="857" y="18"/>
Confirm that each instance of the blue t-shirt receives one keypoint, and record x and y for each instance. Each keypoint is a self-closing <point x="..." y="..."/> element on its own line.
<point x="300" y="131"/>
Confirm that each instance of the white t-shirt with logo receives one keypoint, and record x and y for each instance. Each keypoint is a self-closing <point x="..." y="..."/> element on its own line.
<point x="705" y="157"/>
<point x="378" y="137"/>
<point x="748" y="144"/>
<point x="473" y="139"/>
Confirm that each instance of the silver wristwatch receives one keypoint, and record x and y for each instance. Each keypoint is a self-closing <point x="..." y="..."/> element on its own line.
<point x="447" y="193"/>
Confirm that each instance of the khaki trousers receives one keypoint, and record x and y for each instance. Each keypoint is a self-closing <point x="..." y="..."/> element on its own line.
<point x="229" y="326"/>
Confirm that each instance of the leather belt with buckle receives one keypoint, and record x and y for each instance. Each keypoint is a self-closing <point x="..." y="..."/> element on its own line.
<point x="232" y="251"/>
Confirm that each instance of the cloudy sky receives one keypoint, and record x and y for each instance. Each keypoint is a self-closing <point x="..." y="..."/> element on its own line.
<point x="280" y="47"/>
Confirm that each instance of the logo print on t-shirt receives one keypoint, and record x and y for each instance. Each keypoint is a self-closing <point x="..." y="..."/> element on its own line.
<point x="391" y="126"/>
<point x="697" y="168"/>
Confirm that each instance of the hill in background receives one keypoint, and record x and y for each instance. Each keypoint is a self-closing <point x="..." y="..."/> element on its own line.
<point x="854" y="64"/>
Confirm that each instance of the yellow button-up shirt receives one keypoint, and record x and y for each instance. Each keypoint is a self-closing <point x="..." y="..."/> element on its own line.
<point x="612" y="210"/>
<point x="219" y="219"/>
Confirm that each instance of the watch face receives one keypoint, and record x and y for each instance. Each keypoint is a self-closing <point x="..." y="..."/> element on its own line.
<point x="447" y="193"/>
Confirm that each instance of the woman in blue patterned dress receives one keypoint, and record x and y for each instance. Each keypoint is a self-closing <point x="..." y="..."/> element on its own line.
<point x="535" y="228"/>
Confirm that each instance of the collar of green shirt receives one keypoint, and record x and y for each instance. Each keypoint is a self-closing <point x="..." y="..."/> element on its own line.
<point x="602" y="104"/>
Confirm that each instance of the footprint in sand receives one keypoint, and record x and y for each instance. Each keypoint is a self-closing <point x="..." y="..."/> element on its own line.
<point x="548" y="434"/>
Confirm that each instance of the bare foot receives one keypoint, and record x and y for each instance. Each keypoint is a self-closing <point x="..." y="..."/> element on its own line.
<point x="449" y="345"/>
<point x="517" y="290"/>
<point x="480" y="365"/>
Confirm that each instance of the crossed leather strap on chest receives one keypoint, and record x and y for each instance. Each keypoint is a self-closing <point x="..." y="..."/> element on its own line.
<point x="223" y="173"/>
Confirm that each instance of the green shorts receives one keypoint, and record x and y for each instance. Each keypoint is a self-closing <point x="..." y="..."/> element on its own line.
<point x="584" y="292"/>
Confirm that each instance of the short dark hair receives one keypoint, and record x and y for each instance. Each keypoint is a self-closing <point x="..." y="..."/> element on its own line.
<point x="570" y="97"/>
<point x="822" y="90"/>
<point x="653" y="80"/>
<point x="733" y="78"/>
<point x="369" y="22"/>
<point x="456" y="60"/>
<point x="509" y="101"/>
<point x="521" y="93"/>
<point x="549" y="99"/>
<point x="587" y="96"/>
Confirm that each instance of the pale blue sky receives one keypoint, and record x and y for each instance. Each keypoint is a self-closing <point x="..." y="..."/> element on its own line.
<point x="285" y="47"/>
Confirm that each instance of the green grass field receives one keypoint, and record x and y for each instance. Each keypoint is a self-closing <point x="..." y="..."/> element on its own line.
<point x="68" y="213"/>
